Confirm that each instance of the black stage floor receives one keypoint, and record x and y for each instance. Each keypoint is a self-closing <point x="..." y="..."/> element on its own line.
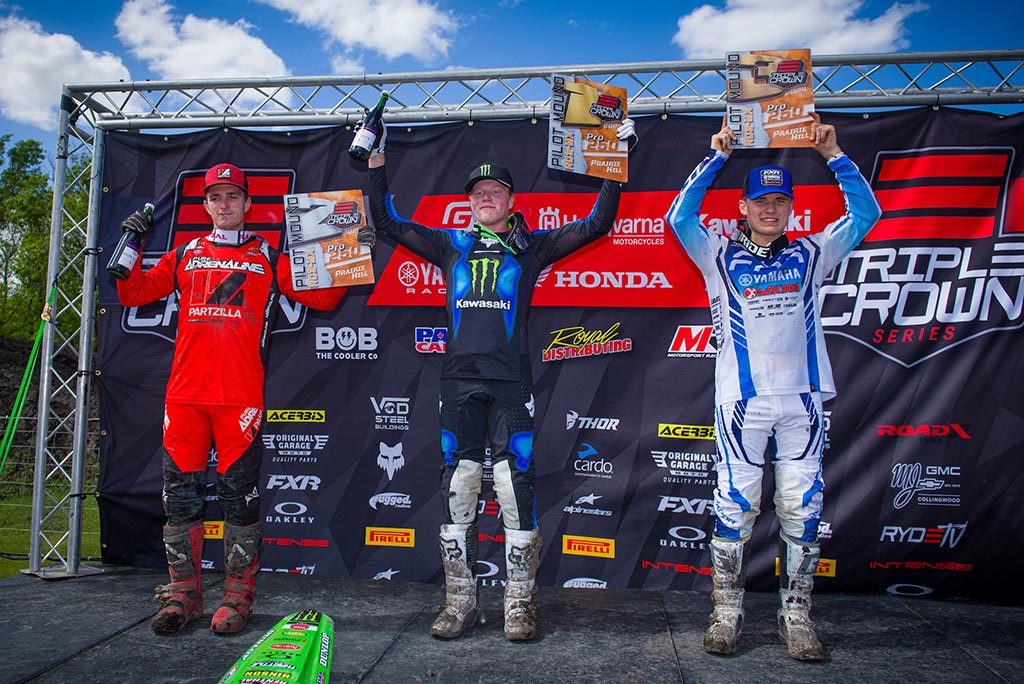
<point x="96" y="629"/>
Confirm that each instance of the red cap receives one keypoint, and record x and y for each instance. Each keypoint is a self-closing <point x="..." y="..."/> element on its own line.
<point x="226" y="173"/>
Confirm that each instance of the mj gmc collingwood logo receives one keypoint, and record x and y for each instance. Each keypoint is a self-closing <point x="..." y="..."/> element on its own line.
<point x="910" y="302"/>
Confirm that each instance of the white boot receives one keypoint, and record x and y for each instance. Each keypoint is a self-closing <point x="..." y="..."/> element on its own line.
<point x="797" y="565"/>
<point x="728" y="564"/>
<point x="522" y="557"/>
<point x="458" y="556"/>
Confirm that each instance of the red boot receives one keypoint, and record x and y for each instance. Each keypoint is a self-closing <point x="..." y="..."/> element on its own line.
<point x="241" y="545"/>
<point x="182" y="599"/>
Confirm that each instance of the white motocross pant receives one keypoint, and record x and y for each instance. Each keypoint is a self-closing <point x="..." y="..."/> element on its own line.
<point x="790" y="430"/>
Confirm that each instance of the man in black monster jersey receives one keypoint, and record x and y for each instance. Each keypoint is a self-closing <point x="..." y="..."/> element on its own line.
<point x="486" y="384"/>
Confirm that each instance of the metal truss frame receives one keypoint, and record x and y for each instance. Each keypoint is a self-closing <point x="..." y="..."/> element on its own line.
<point x="988" y="78"/>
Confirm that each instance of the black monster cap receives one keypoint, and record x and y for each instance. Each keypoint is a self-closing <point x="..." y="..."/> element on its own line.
<point x="491" y="171"/>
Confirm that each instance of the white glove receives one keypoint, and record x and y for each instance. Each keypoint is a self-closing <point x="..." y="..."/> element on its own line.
<point x="627" y="132"/>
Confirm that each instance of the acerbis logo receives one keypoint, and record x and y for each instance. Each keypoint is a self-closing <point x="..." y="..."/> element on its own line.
<point x="392" y="413"/>
<point x="573" y="419"/>
<point x="585" y="466"/>
<point x="675" y="431"/>
<point x="390" y="500"/>
<point x="911" y="302"/>
<point x="296" y="482"/>
<point x="946" y="535"/>
<point x="296" y="416"/>
<point x="693" y="341"/>
<point x="926" y="485"/>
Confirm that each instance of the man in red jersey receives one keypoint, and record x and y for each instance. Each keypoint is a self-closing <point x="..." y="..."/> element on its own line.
<point x="227" y="284"/>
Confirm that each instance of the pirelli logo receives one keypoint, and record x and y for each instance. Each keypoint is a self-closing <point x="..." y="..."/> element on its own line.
<point x="674" y="431"/>
<point x="588" y="546"/>
<point x="296" y="416"/>
<point x="391" y="536"/>
<point x="213" y="529"/>
<point x="826" y="567"/>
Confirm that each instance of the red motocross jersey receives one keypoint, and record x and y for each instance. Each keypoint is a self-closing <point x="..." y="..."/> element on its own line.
<point x="227" y="295"/>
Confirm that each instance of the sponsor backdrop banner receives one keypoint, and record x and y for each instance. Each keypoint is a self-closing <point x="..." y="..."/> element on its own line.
<point x="922" y="466"/>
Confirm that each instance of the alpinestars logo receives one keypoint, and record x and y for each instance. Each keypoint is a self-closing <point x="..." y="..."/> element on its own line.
<point x="907" y="292"/>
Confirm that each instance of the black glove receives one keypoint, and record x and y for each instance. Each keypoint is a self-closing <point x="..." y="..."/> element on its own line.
<point x="367" y="235"/>
<point x="138" y="221"/>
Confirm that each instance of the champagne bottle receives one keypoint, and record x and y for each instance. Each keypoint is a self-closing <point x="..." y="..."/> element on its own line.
<point x="369" y="131"/>
<point x="128" y="249"/>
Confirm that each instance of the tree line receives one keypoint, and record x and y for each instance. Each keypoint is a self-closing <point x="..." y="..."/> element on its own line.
<point x="26" y="205"/>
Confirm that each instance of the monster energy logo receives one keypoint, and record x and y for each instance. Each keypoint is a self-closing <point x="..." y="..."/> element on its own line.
<point x="485" y="170"/>
<point x="484" y="272"/>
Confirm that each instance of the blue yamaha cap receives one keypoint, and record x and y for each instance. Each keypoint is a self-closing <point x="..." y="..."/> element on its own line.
<point x="767" y="179"/>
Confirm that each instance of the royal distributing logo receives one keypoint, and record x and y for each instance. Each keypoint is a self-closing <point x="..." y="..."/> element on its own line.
<point x="678" y="431"/>
<point x="693" y="341"/>
<point x="598" y="547"/>
<point x="390" y="413"/>
<point x="431" y="340"/>
<point x="189" y="220"/>
<point x="577" y="342"/>
<point x="946" y="535"/>
<point x="404" y="537"/>
<point x="925" y="485"/>
<point x="684" y="467"/>
<point x="944" y="269"/>
<point x="294" y="447"/>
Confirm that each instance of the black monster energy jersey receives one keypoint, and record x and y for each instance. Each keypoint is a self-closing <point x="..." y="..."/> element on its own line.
<point x="488" y="286"/>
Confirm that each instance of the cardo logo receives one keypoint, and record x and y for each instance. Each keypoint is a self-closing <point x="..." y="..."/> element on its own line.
<point x="588" y="463"/>
<point x="575" y="420"/>
<point x="390" y="459"/>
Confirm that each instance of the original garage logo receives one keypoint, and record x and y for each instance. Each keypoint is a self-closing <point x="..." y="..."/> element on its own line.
<point x="942" y="266"/>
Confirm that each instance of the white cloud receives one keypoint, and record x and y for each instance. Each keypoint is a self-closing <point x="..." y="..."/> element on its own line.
<point x="35" y="65"/>
<point x="392" y="28"/>
<point x="193" y="47"/>
<point x="827" y="27"/>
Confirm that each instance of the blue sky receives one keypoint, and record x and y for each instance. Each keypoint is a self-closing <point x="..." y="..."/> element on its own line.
<point x="46" y="44"/>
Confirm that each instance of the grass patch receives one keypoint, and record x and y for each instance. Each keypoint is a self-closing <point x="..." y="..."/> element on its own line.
<point x="16" y="528"/>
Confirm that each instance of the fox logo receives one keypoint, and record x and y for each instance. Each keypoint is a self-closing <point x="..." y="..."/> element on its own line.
<point x="390" y="459"/>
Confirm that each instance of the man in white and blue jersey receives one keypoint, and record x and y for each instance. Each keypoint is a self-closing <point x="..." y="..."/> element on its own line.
<point x="772" y="373"/>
